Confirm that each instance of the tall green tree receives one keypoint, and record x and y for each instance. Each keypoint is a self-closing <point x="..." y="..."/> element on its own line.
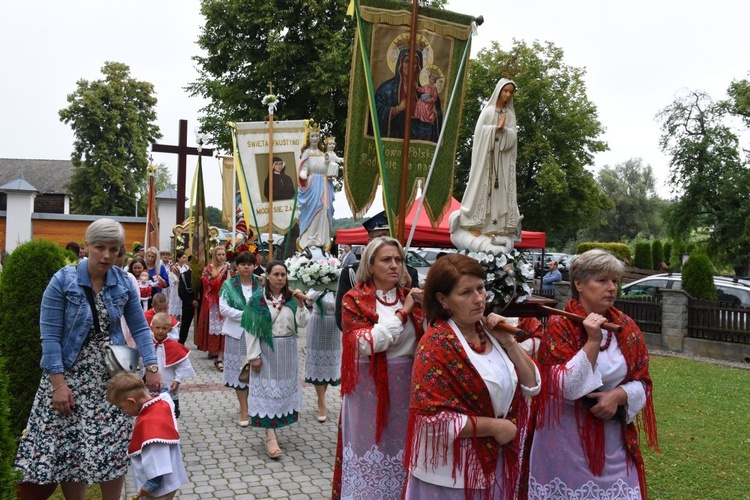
<point x="558" y="135"/>
<point x="113" y="121"/>
<point x="637" y="209"/>
<point x="712" y="181"/>
<point x="302" y="47"/>
<point x="162" y="181"/>
<point x="739" y="99"/>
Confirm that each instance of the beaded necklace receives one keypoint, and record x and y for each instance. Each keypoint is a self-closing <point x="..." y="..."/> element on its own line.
<point x="482" y="341"/>
<point x="278" y="303"/>
<point x="384" y="301"/>
<point x="608" y="342"/>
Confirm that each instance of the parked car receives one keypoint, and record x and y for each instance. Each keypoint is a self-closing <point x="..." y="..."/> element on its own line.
<point x="431" y="254"/>
<point x="419" y="263"/>
<point x="730" y="291"/>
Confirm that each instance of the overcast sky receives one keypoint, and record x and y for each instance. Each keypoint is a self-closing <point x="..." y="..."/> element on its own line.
<point x="638" y="56"/>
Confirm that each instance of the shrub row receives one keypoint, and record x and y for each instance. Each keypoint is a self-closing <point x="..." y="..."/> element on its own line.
<point x="24" y="278"/>
<point x="619" y="250"/>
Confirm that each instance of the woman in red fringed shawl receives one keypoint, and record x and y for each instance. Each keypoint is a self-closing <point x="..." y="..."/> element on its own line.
<point x="208" y="335"/>
<point x="577" y="451"/>
<point x="469" y="389"/>
<point x="381" y="326"/>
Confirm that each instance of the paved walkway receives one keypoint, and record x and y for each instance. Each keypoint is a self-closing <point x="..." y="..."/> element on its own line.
<point x="224" y="460"/>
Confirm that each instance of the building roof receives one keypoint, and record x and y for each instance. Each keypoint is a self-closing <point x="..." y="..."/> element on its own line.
<point x="18" y="185"/>
<point x="47" y="176"/>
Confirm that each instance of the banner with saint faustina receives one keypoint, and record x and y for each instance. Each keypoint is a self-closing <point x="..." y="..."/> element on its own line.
<point x="377" y="103"/>
<point x="257" y="190"/>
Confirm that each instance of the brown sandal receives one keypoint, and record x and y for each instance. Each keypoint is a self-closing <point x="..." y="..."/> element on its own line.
<point x="272" y="448"/>
<point x="219" y="365"/>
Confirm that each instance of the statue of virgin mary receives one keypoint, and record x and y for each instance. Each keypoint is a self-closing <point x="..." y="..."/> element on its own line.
<point x="489" y="220"/>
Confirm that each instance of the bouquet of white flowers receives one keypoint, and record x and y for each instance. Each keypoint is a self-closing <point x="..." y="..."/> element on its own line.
<point x="504" y="282"/>
<point x="311" y="272"/>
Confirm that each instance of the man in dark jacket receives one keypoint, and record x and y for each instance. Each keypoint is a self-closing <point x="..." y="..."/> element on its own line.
<point x="189" y="303"/>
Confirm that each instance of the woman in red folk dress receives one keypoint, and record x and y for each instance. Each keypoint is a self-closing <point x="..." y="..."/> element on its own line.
<point x="381" y="326"/>
<point x="470" y="385"/>
<point x="208" y="335"/>
<point x="584" y="439"/>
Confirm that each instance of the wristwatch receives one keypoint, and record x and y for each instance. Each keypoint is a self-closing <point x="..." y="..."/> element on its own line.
<point x="152" y="368"/>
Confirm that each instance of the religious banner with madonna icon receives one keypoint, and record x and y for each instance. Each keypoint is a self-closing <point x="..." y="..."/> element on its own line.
<point x="377" y="102"/>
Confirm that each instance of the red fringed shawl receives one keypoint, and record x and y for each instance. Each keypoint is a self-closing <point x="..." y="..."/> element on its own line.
<point x="531" y="327"/>
<point x="564" y="339"/>
<point x="358" y="317"/>
<point x="211" y="287"/>
<point x="444" y="385"/>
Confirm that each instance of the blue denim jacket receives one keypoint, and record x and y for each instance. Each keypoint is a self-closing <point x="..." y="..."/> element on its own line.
<point x="66" y="318"/>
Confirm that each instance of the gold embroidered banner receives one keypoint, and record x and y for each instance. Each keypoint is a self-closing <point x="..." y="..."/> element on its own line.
<point x="252" y="149"/>
<point x="383" y="40"/>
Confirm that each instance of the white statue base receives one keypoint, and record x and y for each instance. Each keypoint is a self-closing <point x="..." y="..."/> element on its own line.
<point x="467" y="240"/>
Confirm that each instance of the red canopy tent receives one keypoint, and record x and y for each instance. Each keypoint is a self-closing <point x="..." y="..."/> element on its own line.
<point x="426" y="236"/>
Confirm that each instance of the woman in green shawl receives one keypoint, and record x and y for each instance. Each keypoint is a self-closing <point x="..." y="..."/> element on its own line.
<point x="271" y="321"/>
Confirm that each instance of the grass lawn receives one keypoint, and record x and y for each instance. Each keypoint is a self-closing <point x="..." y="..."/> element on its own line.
<point x="703" y="416"/>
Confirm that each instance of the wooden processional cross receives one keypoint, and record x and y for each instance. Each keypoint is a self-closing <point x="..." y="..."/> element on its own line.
<point x="182" y="151"/>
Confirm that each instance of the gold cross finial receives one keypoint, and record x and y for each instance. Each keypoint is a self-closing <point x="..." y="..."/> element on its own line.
<point x="270" y="88"/>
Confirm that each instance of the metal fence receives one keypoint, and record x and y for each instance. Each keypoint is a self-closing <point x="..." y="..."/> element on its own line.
<point x="645" y="311"/>
<point x="549" y="295"/>
<point x="718" y="321"/>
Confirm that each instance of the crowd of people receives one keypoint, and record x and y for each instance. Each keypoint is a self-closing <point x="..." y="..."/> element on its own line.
<point x="440" y="398"/>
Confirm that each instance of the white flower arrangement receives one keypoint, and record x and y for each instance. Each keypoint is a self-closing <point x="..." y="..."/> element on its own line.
<point x="271" y="100"/>
<point x="505" y="282"/>
<point x="313" y="272"/>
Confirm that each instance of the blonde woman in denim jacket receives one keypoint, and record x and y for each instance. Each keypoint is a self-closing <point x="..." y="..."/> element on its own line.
<point x="74" y="436"/>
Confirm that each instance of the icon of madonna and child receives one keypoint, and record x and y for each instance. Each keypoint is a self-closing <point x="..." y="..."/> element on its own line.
<point x="391" y="94"/>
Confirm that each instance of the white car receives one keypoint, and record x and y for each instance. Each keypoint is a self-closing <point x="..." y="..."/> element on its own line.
<point x="730" y="291"/>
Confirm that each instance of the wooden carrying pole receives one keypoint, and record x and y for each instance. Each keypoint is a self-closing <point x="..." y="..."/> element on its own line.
<point x="270" y="182"/>
<point x="610" y="327"/>
<point x="407" y="123"/>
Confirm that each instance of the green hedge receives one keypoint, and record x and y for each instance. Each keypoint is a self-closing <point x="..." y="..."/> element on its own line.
<point x="8" y="475"/>
<point x="657" y="253"/>
<point x="667" y="252"/>
<point x="675" y="256"/>
<point x="698" y="277"/>
<point x="643" y="258"/>
<point x="619" y="250"/>
<point x="25" y="276"/>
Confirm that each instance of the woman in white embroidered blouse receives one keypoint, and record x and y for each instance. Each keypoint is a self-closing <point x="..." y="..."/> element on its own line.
<point x="233" y="297"/>
<point x="381" y="326"/>
<point x="469" y="388"/>
<point x="585" y="442"/>
<point x="271" y="320"/>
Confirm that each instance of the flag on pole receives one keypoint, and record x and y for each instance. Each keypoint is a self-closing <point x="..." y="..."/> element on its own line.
<point x="377" y="121"/>
<point x="152" y="217"/>
<point x="227" y="191"/>
<point x="199" y="245"/>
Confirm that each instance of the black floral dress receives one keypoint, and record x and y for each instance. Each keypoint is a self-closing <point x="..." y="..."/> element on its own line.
<point x="90" y="446"/>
